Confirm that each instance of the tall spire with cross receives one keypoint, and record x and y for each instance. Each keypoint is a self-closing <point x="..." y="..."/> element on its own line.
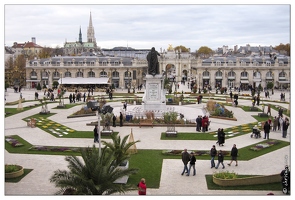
<point x="90" y="31"/>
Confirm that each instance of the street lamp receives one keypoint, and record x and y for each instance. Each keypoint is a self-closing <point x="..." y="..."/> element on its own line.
<point x="62" y="91"/>
<point x="129" y="75"/>
<point x="199" y="83"/>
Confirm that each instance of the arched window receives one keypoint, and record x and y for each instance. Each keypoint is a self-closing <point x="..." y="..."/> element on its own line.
<point x="231" y="74"/>
<point x="115" y="74"/>
<point x="33" y="73"/>
<point x="230" y="63"/>
<point x="103" y="74"/>
<point x="244" y="74"/>
<point x="282" y="75"/>
<point x="79" y="74"/>
<point x="55" y="74"/>
<point x="206" y="73"/>
<point x="218" y="73"/>
<point x="68" y="74"/>
<point x="91" y="74"/>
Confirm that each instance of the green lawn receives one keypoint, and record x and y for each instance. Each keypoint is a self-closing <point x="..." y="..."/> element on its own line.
<point x="149" y="162"/>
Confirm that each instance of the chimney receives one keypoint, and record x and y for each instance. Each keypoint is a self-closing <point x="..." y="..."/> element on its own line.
<point x="34" y="40"/>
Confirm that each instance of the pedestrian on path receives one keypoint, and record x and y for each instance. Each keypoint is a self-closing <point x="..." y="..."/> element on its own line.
<point x="192" y="164"/>
<point x="95" y="134"/>
<point x="266" y="129"/>
<point x="234" y="155"/>
<point x="220" y="159"/>
<point x="185" y="159"/>
<point x="121" y="119"/>
<point x="142" y="187"/>
<point x="285" y="127"/>
<point x="213" y="153"/>
<point x="275" y="123"/>
<point x="114" y="120"/>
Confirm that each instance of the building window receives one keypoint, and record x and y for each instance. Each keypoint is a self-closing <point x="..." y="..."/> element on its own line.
<point x="104" y="63"/>
<point x="231" y="74"/>
<point x="91" y="74"/>
<point x="281" y="63"/>
<point x="103" y="74"/>
<point x="268" y="63"/>
<point x="91" y="63"/>
<point x="116" y="63"/>
<point x="282" y="75"/>
<point x="218" y="63"/>
<point x="115" y="74"/>
<point x="230" y="63"/>
<point x="206" y="73"/>
<point x="68" y="74"/>
<point x="244" y="74"/>
<point x="218" y="73"/>
<point x="79" y="74"/>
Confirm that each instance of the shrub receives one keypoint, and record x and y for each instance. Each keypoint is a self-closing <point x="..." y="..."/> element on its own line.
<point x="225" y="175"/>
<point x="11" y="168"/>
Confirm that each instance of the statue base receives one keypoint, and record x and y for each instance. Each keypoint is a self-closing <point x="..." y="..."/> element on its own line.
<point x="154" y="99"/>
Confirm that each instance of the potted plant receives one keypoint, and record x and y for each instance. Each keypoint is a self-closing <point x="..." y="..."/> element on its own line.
<point x="13" y="171"/>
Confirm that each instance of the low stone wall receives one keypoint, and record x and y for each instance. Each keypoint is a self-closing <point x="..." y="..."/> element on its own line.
<point x="255" y="180"/>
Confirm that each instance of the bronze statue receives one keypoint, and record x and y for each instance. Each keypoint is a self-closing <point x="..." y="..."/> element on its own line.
<point x="153" y="64"/>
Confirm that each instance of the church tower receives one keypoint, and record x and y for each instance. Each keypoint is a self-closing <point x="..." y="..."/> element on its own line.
<point x="90" y="32"/>
<point x="80" y="36"/>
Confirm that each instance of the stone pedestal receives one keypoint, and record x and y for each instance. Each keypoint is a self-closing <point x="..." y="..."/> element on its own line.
<point x="154" y="96"/>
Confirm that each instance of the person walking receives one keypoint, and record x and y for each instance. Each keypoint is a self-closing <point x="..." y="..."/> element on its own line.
<point x="285" y="127"/>
<point x="218" y="136"/>
<point x="142" y="187"/>
<point x="220" y="159"/>
<point x="199" y="123"/>
<point x="121" y="119"/>
<point x="192" y="164"/>
<point x="266" y="129"/>
<point x="95" y="134"/>
<point x="185" y="159"/>
<point x="275" y="123"/>
<point x="268" y="110"/>
<point x="213" y="153"/>
<point x="222" y="137"/>
<point x="234" y="155"/>
<point x="114" y="120"/>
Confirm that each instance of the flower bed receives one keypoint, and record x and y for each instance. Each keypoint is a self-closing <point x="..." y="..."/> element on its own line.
<point x="13" y="142"/>
<point x="54" y="149"/>
<point x="197" y="152"/>
<point x="267" y="144"/>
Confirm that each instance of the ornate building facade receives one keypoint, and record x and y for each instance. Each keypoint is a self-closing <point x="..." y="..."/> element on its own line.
<point x="122" y="72"/>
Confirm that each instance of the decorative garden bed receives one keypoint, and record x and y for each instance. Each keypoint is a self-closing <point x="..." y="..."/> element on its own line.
<point x="255" y="180"/>
<point x="13" y="171"/>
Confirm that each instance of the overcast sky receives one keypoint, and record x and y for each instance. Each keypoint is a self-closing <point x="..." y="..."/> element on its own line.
<point x="146" y="26"/>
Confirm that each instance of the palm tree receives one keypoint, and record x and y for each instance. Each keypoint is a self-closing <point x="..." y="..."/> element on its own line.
<point x="95" y="176"/>
<point x="120" y="149"/>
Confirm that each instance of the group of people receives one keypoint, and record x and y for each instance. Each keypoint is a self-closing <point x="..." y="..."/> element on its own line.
<point x="202" y="123"/>
<point x="189" y="158"/>
<point x="77" y="97"/>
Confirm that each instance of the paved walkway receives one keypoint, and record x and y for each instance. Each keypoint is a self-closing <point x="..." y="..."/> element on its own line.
<point x="172" y="183"/>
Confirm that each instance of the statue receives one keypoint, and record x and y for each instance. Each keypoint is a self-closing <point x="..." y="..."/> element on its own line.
<point x="153" y="64"/>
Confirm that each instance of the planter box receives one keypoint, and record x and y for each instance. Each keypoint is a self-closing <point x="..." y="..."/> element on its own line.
<point x="15" y="174"/>
<point x="248" y="181"/>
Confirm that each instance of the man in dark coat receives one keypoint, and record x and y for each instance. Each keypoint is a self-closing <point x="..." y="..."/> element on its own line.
<point x="95" y="134"/>
<point x="185" y="159"/>
<point x="114" y="120"/>
<point x="121" y="119"/>
<point x="213" y="153"/>
<point x="266" y="129"/>
<point x="234" y="155"/>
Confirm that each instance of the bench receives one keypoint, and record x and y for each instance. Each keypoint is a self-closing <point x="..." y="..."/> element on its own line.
<point x="171" y="133"/>
<point x="31" y="123"/>
<point x="146" y="122"/>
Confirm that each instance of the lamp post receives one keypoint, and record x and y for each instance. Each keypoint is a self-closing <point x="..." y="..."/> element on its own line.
<point x="199" y="83"/>
<point x="62" y="93"/>
<point x="129" y="75"/>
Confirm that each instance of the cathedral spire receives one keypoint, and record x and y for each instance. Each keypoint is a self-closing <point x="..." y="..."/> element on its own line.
<point x="80" y="35"/>
<point x="90" y="31"/>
